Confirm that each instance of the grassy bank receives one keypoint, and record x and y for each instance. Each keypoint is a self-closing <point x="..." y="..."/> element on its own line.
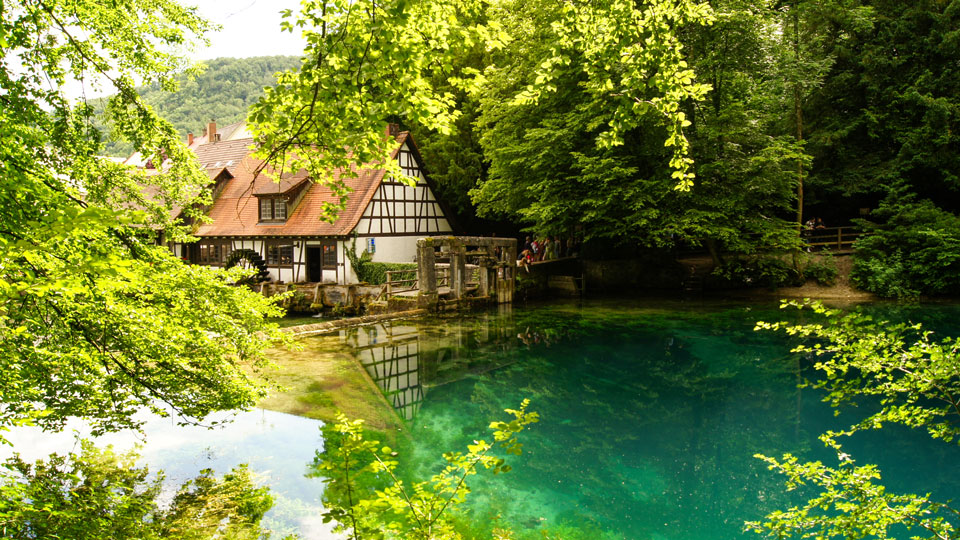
<point x="322" y="378"/>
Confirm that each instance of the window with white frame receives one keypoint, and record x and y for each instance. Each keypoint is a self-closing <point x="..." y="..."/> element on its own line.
<point x="273" y="209"/>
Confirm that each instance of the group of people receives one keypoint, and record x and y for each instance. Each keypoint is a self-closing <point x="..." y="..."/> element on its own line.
<point x="809" y="226"/>
<point x="546" y="248"/>
<point x="814" y="223"/>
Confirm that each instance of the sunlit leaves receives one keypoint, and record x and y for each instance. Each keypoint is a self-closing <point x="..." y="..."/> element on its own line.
<point x="368" y="62"/>
<point x="97" y="319"/>
<point x="850" y="504"/>
<point x="913" y="375"/>
<point x="418" y="510"/>
<point x="632" y="58"/>
<point x="365" y="63"/>
<point x="913" y="379"/>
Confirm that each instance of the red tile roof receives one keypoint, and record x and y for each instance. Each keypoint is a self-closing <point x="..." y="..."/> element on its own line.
<point x="289" y="182"/>
<point x="236" y="210"/>
<point x="223" y="154"/>
<point x="228" y="134"/>
<point x="152" y="192"/>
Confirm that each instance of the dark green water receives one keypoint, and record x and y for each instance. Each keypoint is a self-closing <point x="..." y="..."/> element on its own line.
<point x="651" y="414"/>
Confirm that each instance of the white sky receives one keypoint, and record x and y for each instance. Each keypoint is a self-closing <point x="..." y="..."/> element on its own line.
<point x="250" y="28"/>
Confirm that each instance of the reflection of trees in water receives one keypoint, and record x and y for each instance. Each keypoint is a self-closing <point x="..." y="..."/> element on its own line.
<point x="650" y="421"/>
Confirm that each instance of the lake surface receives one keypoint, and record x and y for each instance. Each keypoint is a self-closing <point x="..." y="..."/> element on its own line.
<point x="651" y="412"/>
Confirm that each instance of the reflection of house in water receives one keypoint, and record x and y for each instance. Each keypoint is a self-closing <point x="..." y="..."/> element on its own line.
<point x="405" y="358"/>
<point x="390" y="353"/>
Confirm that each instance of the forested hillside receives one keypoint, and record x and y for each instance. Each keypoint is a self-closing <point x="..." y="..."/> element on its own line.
<point x="223" y="92"/>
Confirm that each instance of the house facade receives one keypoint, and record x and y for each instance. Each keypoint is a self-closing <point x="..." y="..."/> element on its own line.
<point x="280" y="221"/>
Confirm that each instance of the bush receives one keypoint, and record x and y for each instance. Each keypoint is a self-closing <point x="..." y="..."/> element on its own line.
<point x="914" y="251"/>
<point x="376" y="273"/>
<point x="823" y="271"/>
<point x="757" y="272"/>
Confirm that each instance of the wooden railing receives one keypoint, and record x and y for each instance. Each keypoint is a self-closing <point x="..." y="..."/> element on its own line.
<point x="443" y="275"/>
<point x="396" y="283"/>
<point x="838" y="238"/>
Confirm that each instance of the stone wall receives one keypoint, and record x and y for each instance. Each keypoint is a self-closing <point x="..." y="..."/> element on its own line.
<point x="318" y="297"/>
<point x="642" y="274"/>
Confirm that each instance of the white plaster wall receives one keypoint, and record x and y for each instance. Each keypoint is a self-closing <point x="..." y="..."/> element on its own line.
<point x="394" y="249"/>
<point x="347" y="275"/>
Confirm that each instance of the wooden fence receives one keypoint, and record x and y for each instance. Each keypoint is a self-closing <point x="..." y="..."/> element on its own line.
<point x="833" y="238"/>
<point x="398" y="282"/>
<point x="404" y="281"/>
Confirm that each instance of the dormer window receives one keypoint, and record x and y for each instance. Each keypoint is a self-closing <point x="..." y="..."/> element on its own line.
<point x="273" y="209"/>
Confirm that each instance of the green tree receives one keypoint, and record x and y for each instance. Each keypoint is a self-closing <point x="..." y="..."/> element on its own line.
<point x="913" y="378"/>
<point x="575" y="114"/>
<point x="888" y="111"/>
<point x="367" y="62"/>
<point x="102" y="494"/>
<point x="883" y="132"/>
<point x="745" y="165"/>
<point x="420" y="510"/>
<point x="913" y="249"/>
<point x="97" y="319"/>
<point x="223" y="91"/>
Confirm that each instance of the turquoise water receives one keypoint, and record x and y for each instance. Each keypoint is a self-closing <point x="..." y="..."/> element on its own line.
<point x="651" y="414"/>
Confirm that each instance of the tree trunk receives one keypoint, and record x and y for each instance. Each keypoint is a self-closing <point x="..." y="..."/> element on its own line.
<point x="798" y="113"/>
<point x="714" y="252"/>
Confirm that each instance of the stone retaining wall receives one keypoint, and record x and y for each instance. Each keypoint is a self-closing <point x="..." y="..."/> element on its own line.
<point x="327" y="326"/>
<point x="316" y="297"/>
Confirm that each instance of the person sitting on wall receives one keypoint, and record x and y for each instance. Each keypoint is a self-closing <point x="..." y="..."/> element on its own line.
<point x="818" y="224"/>
<point x="524" y="260"/>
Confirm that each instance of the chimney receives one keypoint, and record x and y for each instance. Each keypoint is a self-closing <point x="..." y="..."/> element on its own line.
<point x="212" y="135"/>
<point x="190" y="139"/>
<point x="392" y="130"/>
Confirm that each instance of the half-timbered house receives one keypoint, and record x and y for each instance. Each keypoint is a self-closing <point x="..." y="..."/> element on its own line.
<point x="280" y="221"/>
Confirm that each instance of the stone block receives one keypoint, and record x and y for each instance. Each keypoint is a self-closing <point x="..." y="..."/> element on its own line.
<point x="336" y="295"/>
